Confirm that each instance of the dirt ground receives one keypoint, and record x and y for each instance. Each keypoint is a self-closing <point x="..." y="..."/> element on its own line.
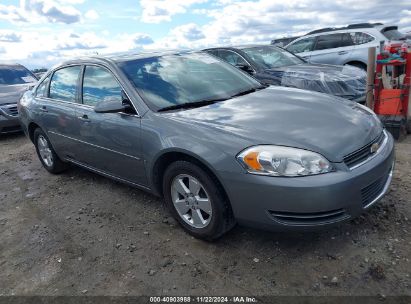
<point x="82" y="234"/>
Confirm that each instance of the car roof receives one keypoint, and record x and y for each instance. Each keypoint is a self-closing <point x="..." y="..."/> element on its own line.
<point x="350" y="28"/>
<point x="120" y="57"/>
<point x="240" y="47"/>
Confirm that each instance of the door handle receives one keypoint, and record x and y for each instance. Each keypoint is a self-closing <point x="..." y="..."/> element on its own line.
<point x="342" y="52"/>
<point x="44" y="109"/>
<point x="84" y="118"/>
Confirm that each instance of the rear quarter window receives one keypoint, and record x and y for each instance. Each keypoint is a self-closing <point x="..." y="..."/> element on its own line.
<point x="392" y="33"/>
<point x="361" y="38"/>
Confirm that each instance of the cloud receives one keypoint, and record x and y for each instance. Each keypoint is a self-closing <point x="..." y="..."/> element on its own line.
<point x="189" y="32"/>
<point x="38" y="11"/>
<point x="86" y="41"/>
<point x="2" y="50"/>
<point x="8" y="36"/>
<point x="241" y="22"/>
<point x="11" y="13"/>
<point x="142" y="39"/>
<point x="52" y="11"/>
<point x="223" y="22"/>
<point x="156" y="11"/>
<point x="92" y="15"/>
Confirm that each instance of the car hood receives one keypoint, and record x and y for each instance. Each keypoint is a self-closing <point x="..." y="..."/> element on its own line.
<point x="318" y="122"/>
<point x="343" y="81"/>
<point x="12" y="93"/>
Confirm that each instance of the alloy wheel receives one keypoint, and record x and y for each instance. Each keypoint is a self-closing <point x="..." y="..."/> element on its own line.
<point x="45" y="151"/>
<point x="191" y="201"/>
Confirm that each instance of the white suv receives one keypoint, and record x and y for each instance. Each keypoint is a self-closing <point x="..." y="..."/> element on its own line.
<point x="348" y="45"/>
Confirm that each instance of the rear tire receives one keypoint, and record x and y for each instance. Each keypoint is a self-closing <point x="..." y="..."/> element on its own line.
<point x="48" y="157"/>
<point x="196" y="201"/>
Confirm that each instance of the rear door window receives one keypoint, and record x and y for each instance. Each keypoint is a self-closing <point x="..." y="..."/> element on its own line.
<point x="42" y="89"/>
<point x="64" y="84"/>
<point x="100" y="85"/>
<point x="346" y="40"/>
<point x="301" y="46"/>
<point x="331" y="41"/>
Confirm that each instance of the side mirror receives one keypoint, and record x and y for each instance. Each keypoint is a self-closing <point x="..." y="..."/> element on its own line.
<point x="245" y="68"/>
<point x="114" y="105"/>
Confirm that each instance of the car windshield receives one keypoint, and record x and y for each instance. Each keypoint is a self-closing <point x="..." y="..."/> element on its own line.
<point x="10" y="75"/>
<point x="172" y="80"/>
<point x="392" y="33"/>
<point x="272" y="57"/>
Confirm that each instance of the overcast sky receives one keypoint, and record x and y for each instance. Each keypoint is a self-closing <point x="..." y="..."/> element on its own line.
<point x="43" y="32"/>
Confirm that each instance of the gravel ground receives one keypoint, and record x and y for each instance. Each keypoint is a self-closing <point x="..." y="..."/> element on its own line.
<point x="82" y="234"/>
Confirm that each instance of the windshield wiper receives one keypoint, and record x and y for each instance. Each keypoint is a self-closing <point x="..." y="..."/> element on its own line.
<point x="206" y="102"/>
<point x="263" y="86"/>
<point x="190" y="105"/>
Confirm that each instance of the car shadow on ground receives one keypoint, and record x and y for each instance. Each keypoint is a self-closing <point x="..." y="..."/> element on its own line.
<point x="347" y="233"/>
<point x="11" y="136"/>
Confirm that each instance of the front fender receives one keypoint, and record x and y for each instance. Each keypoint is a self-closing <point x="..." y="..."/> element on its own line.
<point x="161" y="137"/>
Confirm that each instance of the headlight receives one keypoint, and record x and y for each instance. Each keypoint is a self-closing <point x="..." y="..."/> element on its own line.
<point x="283" y="161"/>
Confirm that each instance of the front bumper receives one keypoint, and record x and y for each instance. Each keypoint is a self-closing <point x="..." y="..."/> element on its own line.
<point x="9" y="124"/>
<point x="304" y="203"/>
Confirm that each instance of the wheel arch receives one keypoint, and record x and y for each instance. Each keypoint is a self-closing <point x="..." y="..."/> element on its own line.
<point x="31" y="128"/>
<point x="168" y="157"/>
<point x="357" y="63"/>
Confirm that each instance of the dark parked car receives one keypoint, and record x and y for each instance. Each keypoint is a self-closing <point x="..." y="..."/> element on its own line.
<point x="14" y="81"/>
<point x="276" y="66"/>
<point x="216" y="144"/>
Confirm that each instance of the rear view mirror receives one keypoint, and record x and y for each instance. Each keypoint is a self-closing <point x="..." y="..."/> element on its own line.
<point x="245" y="68"/>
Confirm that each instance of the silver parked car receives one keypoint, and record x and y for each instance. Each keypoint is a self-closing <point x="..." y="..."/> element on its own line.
<point x="216" y="144"/>
<point x="348" y="45"/>
<point x="14" y="81"/>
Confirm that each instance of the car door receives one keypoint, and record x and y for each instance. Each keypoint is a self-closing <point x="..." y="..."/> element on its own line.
<point x="57" y="97"/>
<point x="109" y="142"/>
<point x="362" y="41"/>
<point x="332" y="49"/>
<point x="302" y="47"/>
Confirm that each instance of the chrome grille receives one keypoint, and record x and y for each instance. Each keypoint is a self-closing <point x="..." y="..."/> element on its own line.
<point x="10" y="109"/>
<point x="361" y="155"/>
<point x="13" y="111"/>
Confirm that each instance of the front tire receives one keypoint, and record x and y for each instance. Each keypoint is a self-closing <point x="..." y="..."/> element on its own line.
<point x="409" y="125"/>
<point x="196" y="201"/>
<point x="48" y="157"/>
